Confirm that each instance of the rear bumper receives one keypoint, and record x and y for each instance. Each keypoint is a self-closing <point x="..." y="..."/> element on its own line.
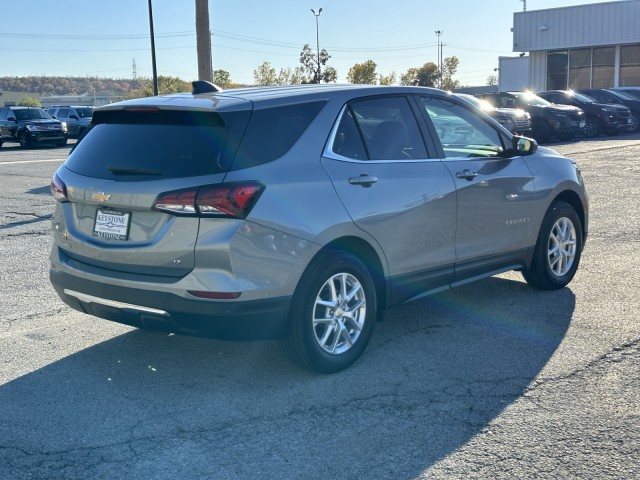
<point x="230" y="320"/>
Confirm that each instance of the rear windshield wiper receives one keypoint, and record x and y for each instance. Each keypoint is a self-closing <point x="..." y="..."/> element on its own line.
<point x="131" y="171"/>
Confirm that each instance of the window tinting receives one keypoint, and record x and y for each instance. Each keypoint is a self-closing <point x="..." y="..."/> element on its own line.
<point x="379" y="129"/>
<point x="273" y="131"/>
<point x="127" y="145"/>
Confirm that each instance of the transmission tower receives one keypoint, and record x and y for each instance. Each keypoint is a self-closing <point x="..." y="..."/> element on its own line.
<point x="135" y="72"/>
<point x="524" y="5"/>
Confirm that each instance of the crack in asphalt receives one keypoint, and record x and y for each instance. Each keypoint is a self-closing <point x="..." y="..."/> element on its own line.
<point x="616" y="355"/>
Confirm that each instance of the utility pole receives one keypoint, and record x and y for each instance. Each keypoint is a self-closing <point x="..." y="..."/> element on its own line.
<point x="203" y="41"/>
<point x="153" y="52"/>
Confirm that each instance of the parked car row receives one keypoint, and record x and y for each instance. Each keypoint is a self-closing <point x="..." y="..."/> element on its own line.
<point x="31" y="126"/>
<point x="562" y="114"/>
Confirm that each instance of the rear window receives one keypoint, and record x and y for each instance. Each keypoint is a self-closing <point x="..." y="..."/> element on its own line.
<point x="273" y="131"/>
<point x="147" y="145"/>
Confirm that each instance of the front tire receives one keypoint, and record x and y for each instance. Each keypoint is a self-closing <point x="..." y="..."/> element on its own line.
<point x="592" y="127"/>
<point x="23" y="138"/>
<point x="558" y="249"/>
<point x="541" y="131"/>
<point x="332" y="313"/>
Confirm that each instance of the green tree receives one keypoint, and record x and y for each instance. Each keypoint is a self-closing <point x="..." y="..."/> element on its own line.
<point x="166" y="85"/>
<point x="290" y="77"/>
<point x="388" y="79"/>
<point x="222" y="78"/>
<point x="265" y="74"/>
<point x="425" y="76"/>
<point x="329" y="74"/>
<point x="309" y="61"/>
<point x="363" y="73"/>
<point x="28" y="101"/>
<point x="449" y="69"/>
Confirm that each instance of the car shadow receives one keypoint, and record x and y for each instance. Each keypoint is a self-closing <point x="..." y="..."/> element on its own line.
<point x="152" y="405"/>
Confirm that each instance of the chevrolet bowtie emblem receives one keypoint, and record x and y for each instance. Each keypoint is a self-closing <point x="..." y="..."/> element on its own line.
<point x="100" y="196"/>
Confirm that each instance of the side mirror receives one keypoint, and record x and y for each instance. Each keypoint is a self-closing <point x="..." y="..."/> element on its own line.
<point x="524" y="145"/>
<point x="12" y="119"/>
<point x="54" y="116"/>
<point x="74" y="116"/>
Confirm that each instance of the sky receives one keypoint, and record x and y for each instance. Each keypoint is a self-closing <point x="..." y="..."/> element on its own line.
<point x="104" y="38"/>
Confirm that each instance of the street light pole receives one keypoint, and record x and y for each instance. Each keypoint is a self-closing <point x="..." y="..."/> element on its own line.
<point x="439" y="53"/>
<point x="317" y="39"/>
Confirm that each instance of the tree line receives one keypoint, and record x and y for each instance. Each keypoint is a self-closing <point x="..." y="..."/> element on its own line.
<point x="313" y="68"/>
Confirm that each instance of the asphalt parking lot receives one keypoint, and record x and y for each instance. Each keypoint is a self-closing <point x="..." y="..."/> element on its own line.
<point x="492" y="380"/>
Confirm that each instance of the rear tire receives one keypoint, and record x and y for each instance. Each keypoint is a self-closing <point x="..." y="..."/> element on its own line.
<point x="558" y="249"/>
<point x="332" y="314"/>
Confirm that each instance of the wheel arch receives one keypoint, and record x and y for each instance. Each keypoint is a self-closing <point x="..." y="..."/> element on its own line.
<point x="573" y="199"/>
<point x="364" y="251"/>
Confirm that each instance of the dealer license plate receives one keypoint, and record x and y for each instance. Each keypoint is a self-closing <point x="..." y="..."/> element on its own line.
<point x="112" y="224"/>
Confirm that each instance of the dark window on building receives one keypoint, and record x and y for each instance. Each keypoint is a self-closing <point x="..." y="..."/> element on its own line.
<point x="580" y="68"/>
<point x="557" y="70"/>
<point x="630" y="65"/>
<point x="604" y="61"/>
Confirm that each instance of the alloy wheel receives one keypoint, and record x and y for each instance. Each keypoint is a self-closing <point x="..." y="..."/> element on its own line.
<point x="339" y="313"/>
<point x="562" y="246"/>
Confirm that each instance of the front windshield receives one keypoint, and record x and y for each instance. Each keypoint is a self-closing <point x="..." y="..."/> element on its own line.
<point x="622" y="95"/>
<point x="529" y="98"/>
<point x="582" y="98"/>
<point x="481" y="104"/>
<point x="31" y="114"/>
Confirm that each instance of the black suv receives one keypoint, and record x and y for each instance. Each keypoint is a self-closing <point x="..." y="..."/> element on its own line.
<point x="601" y="117"/>
<point x="547" y="120"/>
<point x="617" y="97"/>
<point x="30" y="126"/>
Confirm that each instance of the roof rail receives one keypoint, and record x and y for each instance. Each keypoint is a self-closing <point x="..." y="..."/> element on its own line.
<point x="202" y="86"/>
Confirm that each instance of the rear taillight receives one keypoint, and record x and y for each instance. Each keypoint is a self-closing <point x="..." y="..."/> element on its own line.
<point x="58" y="189"/>
<point x="222" y="200"/>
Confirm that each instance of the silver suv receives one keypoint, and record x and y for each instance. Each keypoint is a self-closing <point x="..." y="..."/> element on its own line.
<point x="302" y="212"/>
<point x="76" y="118"/>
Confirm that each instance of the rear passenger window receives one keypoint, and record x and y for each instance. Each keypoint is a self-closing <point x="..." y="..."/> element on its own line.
<point x="379" y="129"/>
<point x="273" y="131"/>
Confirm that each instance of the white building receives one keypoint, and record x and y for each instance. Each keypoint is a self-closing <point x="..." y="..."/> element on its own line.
<point x="586" y="46"/>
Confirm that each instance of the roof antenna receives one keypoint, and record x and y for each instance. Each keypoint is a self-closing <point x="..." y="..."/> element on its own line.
<point x="202" y="86"/>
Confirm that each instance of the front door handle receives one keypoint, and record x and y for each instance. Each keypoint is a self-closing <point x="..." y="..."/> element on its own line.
<point x="364" y="180"/>
<point x="467" y="174"/>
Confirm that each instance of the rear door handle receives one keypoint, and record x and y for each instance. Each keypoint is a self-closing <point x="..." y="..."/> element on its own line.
<point x="467" y="174"/>
<point x="364" y="180"/>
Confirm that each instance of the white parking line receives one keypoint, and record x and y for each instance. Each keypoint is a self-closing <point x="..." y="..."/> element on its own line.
<point x="34" y="161"/>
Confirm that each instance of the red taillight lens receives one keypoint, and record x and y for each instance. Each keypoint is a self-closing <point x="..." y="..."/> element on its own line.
<point x="181" y="202"/>
<point x="222" y="200"/>
<point x="58" y="189"/>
